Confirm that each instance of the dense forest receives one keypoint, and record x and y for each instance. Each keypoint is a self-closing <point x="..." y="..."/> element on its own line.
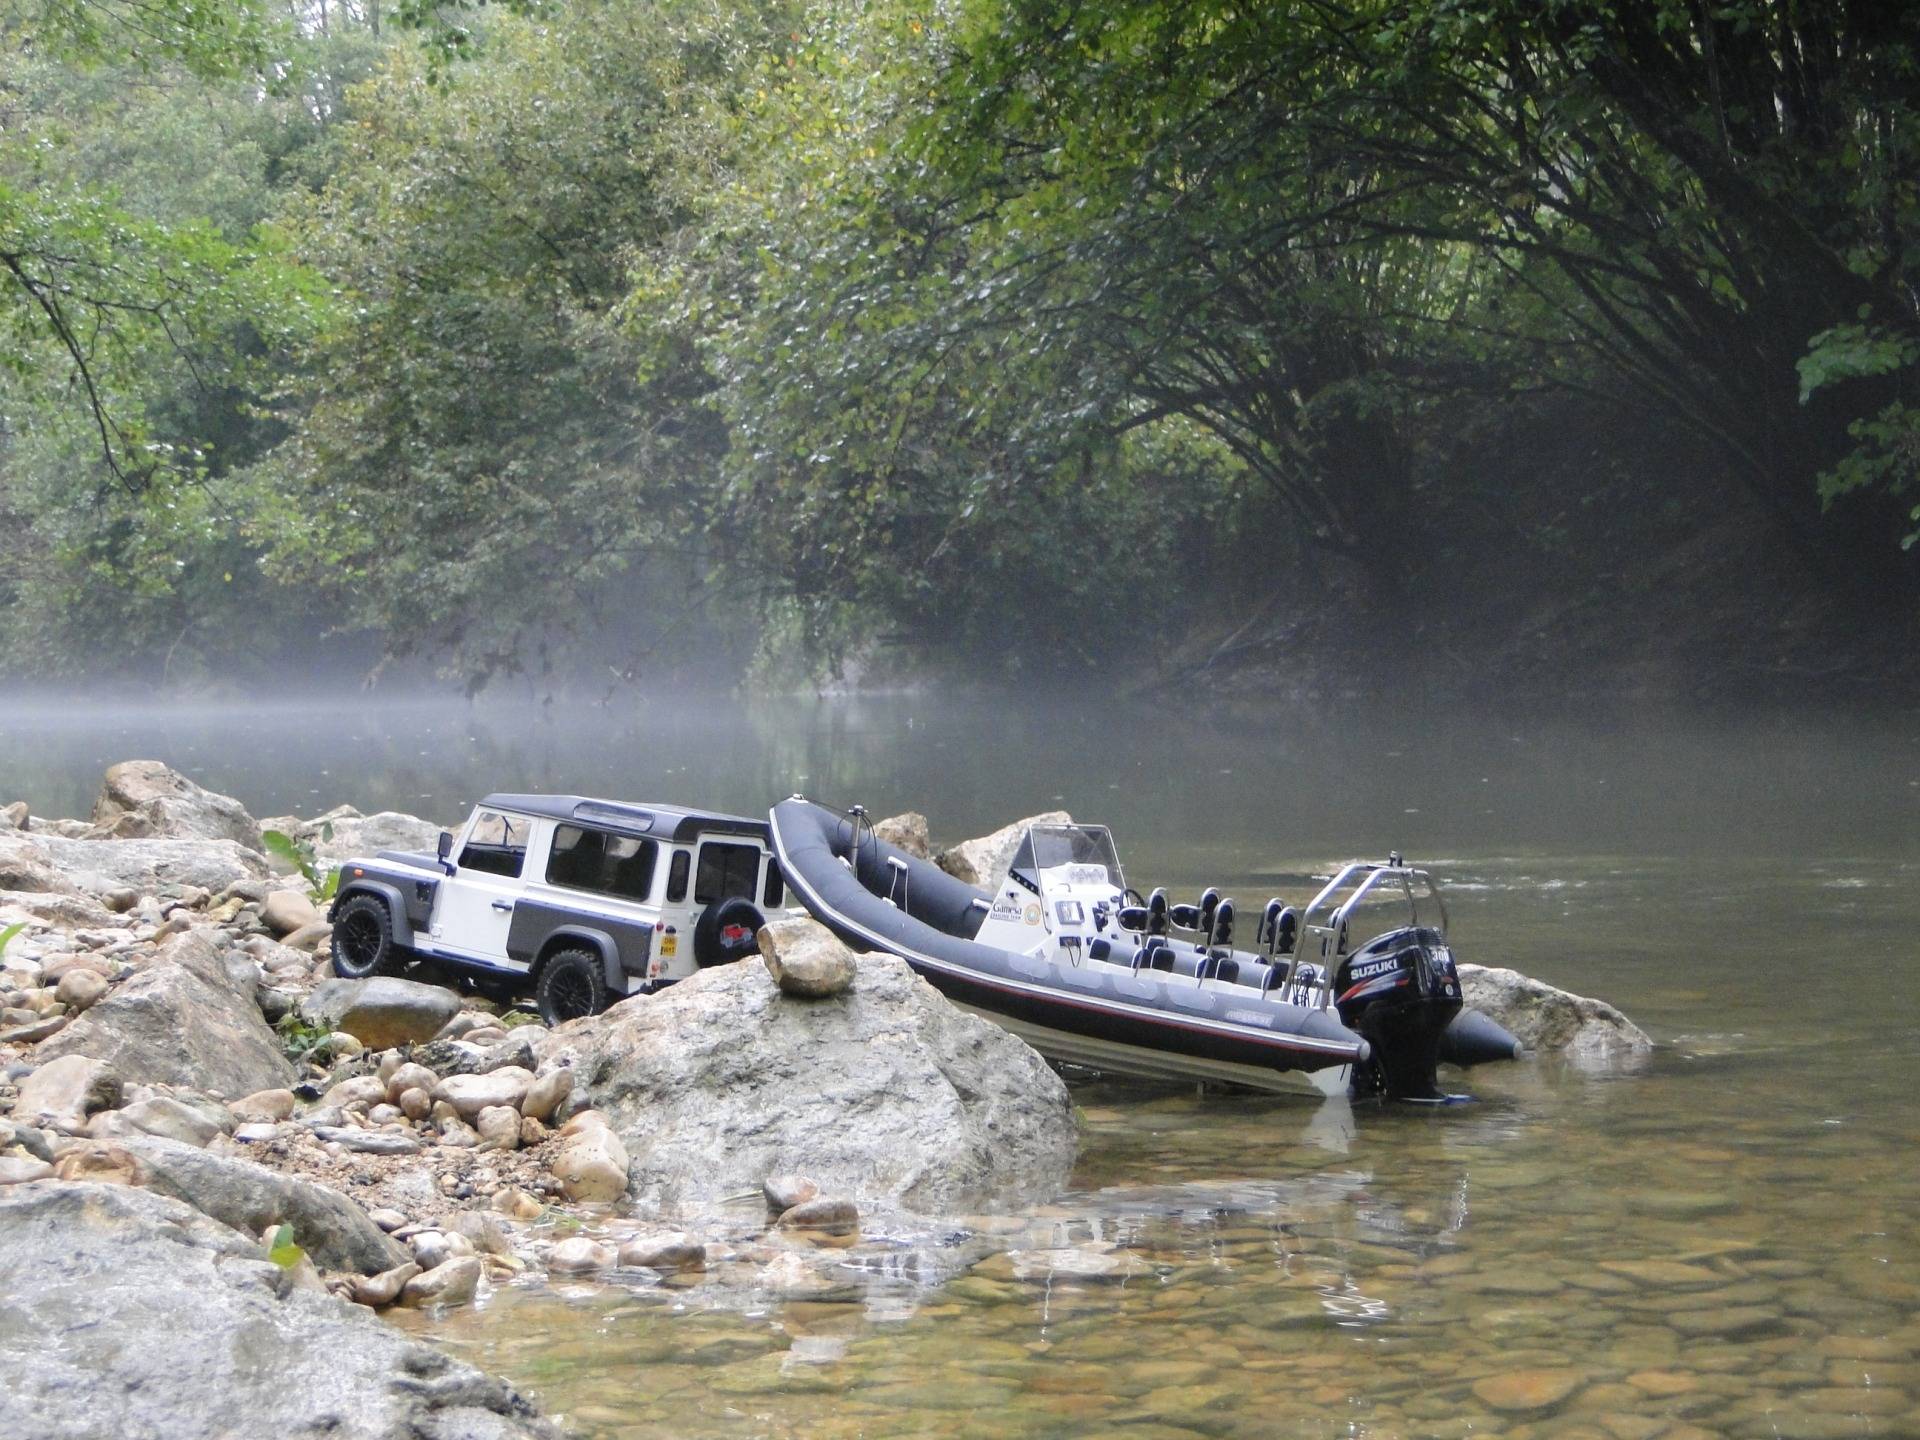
<point x="1551" y="345"/>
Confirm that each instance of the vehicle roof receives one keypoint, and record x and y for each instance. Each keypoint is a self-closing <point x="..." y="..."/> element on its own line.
<point x="659" y="822"/>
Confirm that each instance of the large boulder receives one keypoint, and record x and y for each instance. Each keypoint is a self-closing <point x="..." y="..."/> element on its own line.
<point x="130" y="1314"/>
<point x="887" y="1092"/>
<point x="64" y="1091"/>
<point x="1547" y="1019"/>
<point x="382" y="1012"/>
<point x="145" y="799"/>
<point x="25" y="866"/>
<point x="343" y="833"/>
<point x="249" y="1197"/>
<point x="100" y="867"/>
<point x="188" y="1018"/>
<point x="983" y="862"/>
<point x="906" y="831"/>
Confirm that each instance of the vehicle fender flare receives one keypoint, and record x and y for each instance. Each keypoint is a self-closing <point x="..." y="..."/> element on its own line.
<point x="396" y="907"/>
<point x="600" y="942"/>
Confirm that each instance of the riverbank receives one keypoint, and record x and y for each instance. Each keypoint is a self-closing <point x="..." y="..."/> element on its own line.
<point x="191" y="1100"/>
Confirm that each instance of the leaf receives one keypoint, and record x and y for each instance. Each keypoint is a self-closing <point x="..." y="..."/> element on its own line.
<point x="280" y="843"/>
<point x="8" y="934"/>
<point x="283" y="1252"/>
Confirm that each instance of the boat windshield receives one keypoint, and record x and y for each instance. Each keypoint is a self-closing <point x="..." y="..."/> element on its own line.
<point x="1085" y="852"/>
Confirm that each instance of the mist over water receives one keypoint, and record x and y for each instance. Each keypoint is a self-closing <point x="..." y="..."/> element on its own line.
<point x="1301" y="782"/>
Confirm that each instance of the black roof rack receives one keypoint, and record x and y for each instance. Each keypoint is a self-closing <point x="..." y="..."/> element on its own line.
<point x="672" y="823"/>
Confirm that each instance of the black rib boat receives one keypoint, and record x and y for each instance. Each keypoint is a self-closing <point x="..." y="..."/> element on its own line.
<point x="1090" y="972"/>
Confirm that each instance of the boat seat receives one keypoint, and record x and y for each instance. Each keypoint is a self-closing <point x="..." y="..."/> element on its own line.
<point x="1220" y="967"/>
<point x="1100" y="950"/>
<point x="1156" y="954"/>
<point x="1256" y="973"/>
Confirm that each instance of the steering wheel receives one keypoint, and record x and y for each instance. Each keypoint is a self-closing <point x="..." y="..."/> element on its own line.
<point x="1131" y="896"/>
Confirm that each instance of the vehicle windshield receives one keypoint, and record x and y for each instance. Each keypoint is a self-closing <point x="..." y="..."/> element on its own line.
<point x="1085" y="852"/>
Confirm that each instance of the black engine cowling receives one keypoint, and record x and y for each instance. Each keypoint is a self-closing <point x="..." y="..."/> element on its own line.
<point x="1400" y="990"/>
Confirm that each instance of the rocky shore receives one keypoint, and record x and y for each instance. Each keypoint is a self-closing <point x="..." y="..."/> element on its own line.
<point x="262" y="1154"/>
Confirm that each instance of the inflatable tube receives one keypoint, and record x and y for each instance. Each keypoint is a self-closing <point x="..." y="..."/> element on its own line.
<point x="1473" y="1039"/>
<point x="1115" y="1010"/>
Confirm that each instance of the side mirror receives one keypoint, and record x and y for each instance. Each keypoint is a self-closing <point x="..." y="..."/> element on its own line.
<point x="446" y="850"/>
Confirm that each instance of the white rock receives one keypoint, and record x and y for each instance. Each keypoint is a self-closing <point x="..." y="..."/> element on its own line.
<point x="267" y="1105"/>
<point x="579" y="1255"/>
<point x="160" y="1115"/>
<point x="79" y="989"/>
<point x="546" y="1093"/>
<point x="1543" y="1018"/>
<point x="983" y="862"/>
<point x="906" y="832"/>
<point x="453" y="1283"/>
<point x="805" y="958"/>
<point x="670" y="1251"/>
<point x="592" y="1164"/>
<point x="498" y="1127"/>
<point x="19" y="1169"/>
<point x="64" y="1091"/>
<point x="360" y="1090"/>
<point x="470" y="1094"/>
<point x="286" y="911"/>
<point x="146" y="798"/>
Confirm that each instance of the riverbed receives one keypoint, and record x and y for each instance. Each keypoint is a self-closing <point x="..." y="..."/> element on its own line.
<point x="1726" y="1241"/>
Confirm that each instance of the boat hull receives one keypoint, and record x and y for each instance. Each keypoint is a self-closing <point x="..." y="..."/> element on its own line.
<point x="1111" y="1018"/>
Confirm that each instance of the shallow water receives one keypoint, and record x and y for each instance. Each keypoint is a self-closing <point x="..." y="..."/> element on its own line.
<point x="1726" y="1242"/>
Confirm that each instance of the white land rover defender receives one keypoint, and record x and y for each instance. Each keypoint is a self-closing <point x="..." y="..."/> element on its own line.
<point x="581" y="901"/>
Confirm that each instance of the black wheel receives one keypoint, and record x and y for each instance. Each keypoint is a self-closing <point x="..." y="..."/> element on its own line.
<point x="363" y="938"/>
<point x="727" y="931"/>
<point x="571" y="984"/>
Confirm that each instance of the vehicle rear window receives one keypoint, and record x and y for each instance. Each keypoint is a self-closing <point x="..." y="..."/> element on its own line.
<point x="497" y="845"/>
<point x="726" y="871"/>
<point x="620" y="865"/>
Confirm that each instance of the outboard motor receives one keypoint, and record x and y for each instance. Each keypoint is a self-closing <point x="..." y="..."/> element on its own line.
<point x="1400" y="990"/>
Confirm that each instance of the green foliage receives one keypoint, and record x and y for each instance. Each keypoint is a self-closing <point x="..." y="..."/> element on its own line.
<point x="1015" y="335"/>
<point x="1886" y="455"/>
<point x="323" y="883"/>
<point x="282" y="1250"/>
<point x="300" y="1040"/>
<point x="483" y="446"/>
<point x="513" y="1019"/>
<point x="6" y="935"/>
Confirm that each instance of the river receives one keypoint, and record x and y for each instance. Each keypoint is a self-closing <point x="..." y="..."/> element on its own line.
<point x="1724" y="1242"/>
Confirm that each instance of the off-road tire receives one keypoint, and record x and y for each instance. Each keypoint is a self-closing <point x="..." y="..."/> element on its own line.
<point x="363" y="939"/>
<point x="572" y="983"/>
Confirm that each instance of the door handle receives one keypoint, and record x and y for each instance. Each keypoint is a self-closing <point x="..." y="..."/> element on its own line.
<point x="503" y="905"/>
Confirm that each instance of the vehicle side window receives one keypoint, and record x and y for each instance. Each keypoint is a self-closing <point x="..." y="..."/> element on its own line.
<point x="620" y="865"/>
<point x="775" y="894"/>
<point x="677" y="877"/>
<point x="496" y="846"/>
<point x="726" y="871"/>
